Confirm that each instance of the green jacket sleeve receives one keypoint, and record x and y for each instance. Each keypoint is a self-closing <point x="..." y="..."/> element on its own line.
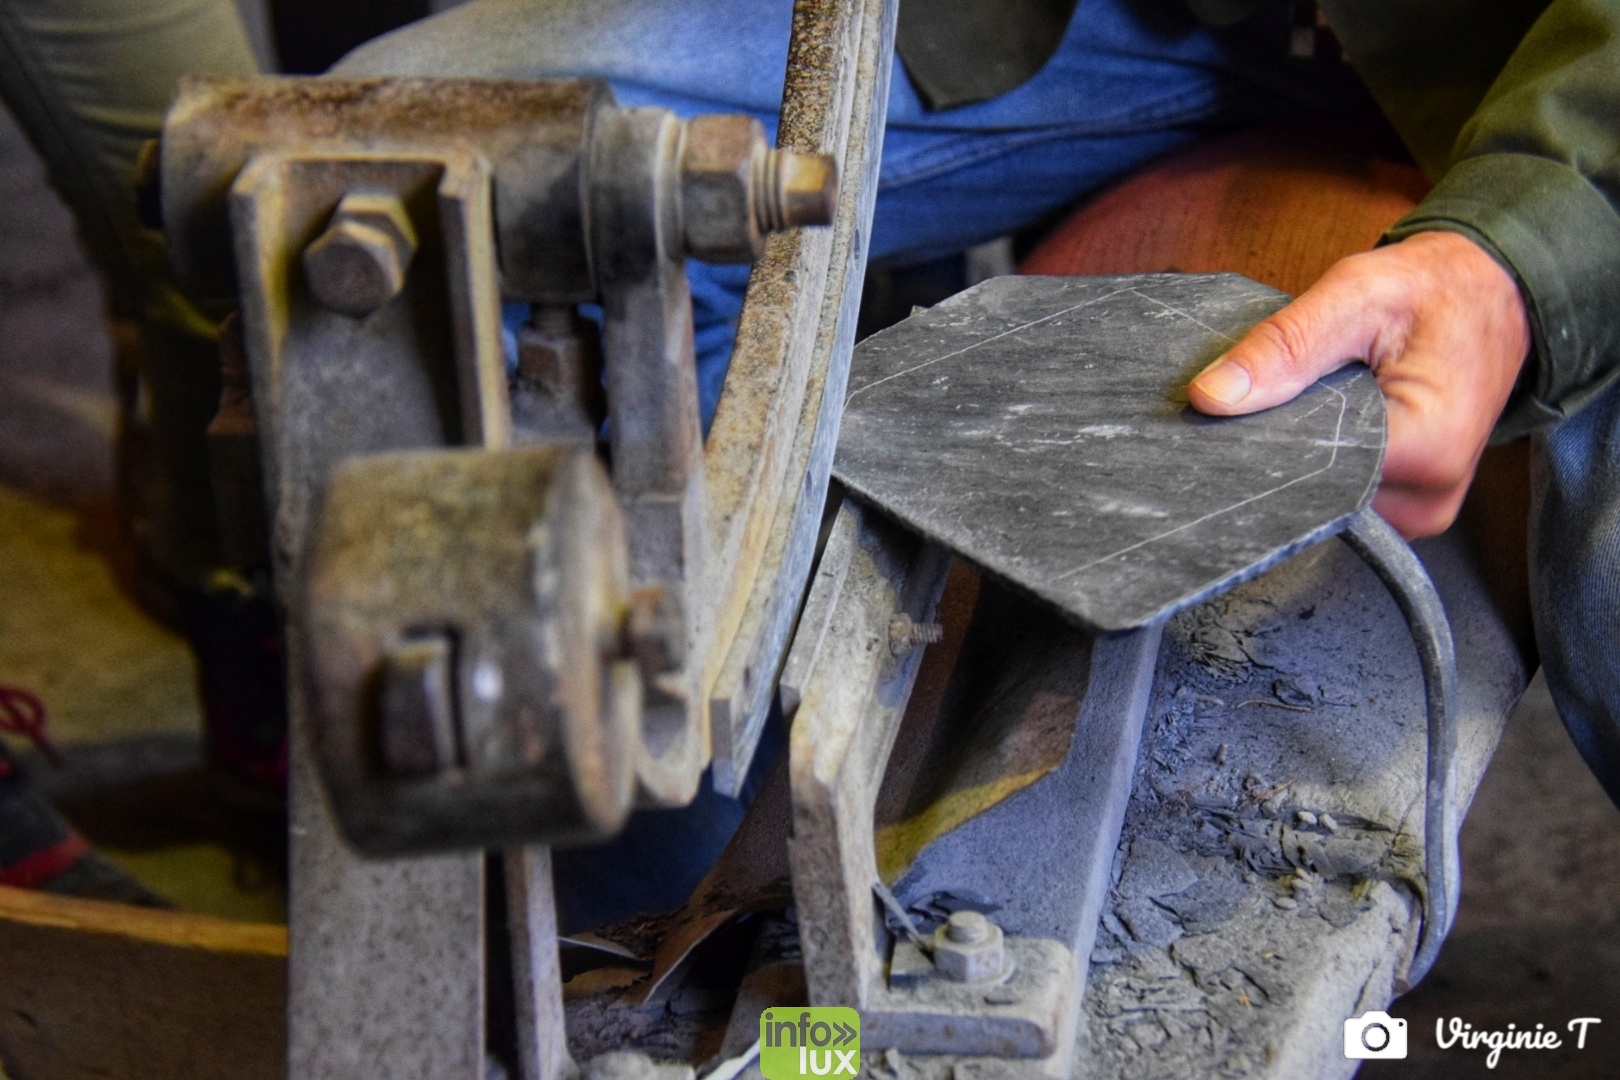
<point x="1535" y="179"/>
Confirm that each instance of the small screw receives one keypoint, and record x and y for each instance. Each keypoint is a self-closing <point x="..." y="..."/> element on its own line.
<point x="905" y="635"/>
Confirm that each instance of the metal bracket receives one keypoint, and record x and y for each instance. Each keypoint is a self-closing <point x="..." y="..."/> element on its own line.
<point x="377" y="224"/>
<point x="468" y="656"/>
<point x="851" y="692"/>
<point x="1028" y="1010"/>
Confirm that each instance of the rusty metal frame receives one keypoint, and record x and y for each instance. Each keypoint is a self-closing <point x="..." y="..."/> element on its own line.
<point x="386" y="918"/>
<point x="852" y="693"/>
<point x="388" y="956"/>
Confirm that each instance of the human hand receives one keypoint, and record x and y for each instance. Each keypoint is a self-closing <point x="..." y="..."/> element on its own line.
<point x="1442" y="326"/>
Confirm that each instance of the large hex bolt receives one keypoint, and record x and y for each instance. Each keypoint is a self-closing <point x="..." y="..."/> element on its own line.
<point x="735" y="189"/>
<point x="969" y="948"/>
<point x="359" y="263"/>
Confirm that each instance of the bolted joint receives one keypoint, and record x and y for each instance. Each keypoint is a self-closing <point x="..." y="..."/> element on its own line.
<point x="735" y="189"/>
<point x="359" y="263"/>
<point x="416" y="704"/>
<point x="905" y="635"/>
<point x="969" y="948"/>
<point x="557" y="361"/>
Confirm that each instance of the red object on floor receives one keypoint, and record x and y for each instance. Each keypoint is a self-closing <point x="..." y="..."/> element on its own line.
<point x="22" y="712"/>
<point x="41" y="866"/>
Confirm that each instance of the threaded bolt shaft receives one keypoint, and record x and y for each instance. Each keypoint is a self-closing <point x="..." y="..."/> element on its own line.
<point x="793" y="189"/>
<point x="905" y="635"/>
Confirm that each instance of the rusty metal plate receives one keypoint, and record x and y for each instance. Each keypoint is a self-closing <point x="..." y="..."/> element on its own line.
<point x="1039" y="427"/>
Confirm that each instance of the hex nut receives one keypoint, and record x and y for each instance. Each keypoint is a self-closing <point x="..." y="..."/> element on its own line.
<point x="359" y="263"/>
<point x="722" y="169"/>
<point x="555" y="359"/>
<point x="969" y="948"/>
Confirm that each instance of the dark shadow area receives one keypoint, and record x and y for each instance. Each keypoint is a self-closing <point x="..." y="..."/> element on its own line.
<point x="311" y="35"/>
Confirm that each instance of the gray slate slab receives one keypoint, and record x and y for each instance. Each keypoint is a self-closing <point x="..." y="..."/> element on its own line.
<point x="1039" y="427"/>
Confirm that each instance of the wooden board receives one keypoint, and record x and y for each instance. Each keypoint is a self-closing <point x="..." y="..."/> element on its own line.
<point x="112" y="992"/>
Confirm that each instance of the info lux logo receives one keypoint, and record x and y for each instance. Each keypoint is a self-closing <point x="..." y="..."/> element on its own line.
<point x="795" y="1044"/>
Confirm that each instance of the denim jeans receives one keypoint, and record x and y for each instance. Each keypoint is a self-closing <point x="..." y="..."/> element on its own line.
<point x="1575" y="577"/>
<point x="1131" y="80"/>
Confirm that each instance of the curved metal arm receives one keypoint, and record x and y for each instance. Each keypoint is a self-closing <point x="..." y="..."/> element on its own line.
<point x="1397" y="565"/>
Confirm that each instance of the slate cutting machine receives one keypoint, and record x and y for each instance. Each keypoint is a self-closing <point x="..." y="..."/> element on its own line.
<point x="499" y="637"/>
<point x="503" y="634"/>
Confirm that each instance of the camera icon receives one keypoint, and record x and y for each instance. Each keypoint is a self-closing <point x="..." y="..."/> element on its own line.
<point x="1375" y="1035"/>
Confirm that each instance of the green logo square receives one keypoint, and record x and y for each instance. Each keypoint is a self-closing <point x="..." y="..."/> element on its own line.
<point x="796" y="1044"/>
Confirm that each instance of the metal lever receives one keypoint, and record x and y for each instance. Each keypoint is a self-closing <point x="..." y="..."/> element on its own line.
<point x="1398" y="567"/>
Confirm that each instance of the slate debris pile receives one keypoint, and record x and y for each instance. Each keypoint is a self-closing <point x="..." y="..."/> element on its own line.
<point x="1240" y="877"/>
<point x="1164" y="984"/>
<point x="1284" y="843"/>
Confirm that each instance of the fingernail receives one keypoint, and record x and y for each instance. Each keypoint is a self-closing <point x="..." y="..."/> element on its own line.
<point x="1226" y="383"/>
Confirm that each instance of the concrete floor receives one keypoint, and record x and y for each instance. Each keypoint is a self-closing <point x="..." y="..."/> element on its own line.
<point x="1537" y="939"/>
